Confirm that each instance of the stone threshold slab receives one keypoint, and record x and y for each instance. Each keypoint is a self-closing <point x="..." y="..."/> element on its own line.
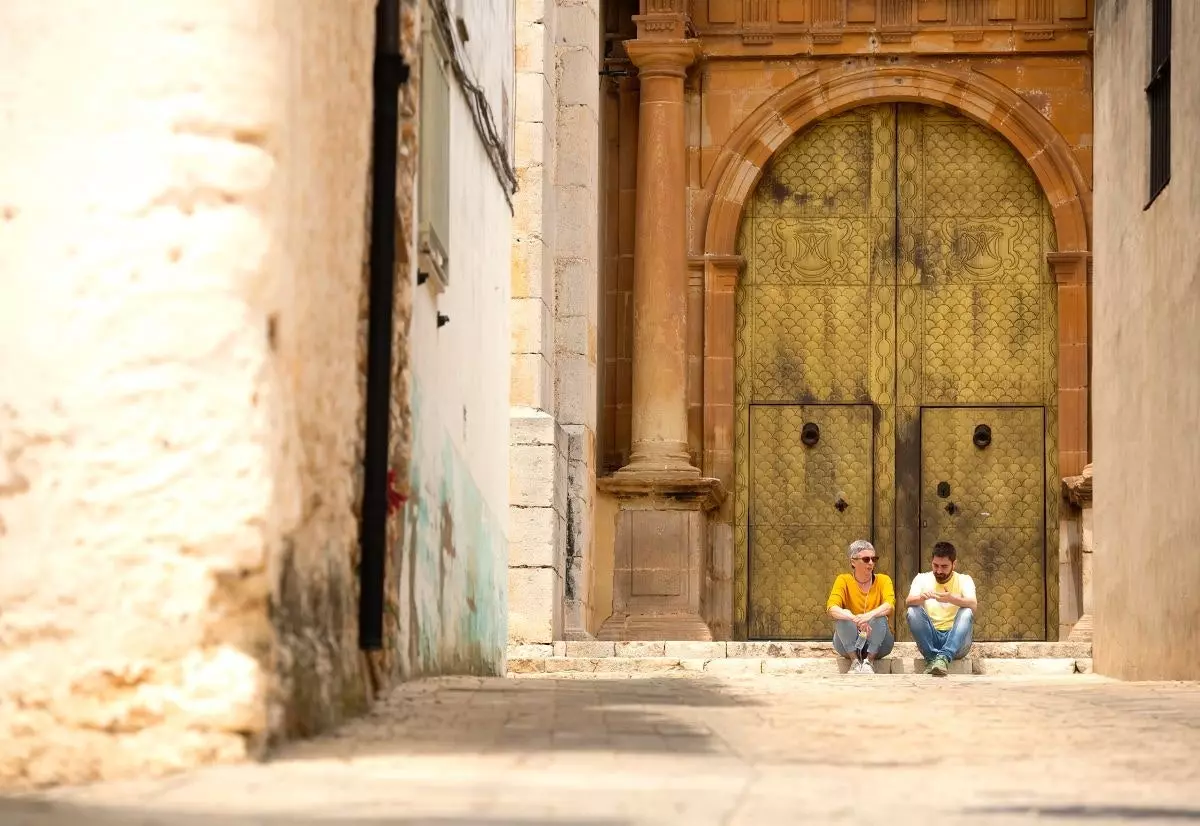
<point x="596" y="649"/>
<point x="748" y="666"/>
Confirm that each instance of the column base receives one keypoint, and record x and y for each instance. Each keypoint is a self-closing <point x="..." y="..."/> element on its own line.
<point x="654" y="627"/>
<point x="658" y="457"/>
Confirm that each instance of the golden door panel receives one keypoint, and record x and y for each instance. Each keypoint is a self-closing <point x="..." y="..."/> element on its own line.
<point x="812" y="495"/>
<point x="982" y="483"/>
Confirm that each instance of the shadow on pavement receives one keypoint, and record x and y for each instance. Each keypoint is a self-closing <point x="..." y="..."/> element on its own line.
<point x="532" y="715"/>
<point x="47" y="813"/>
<point x="1080" y="812"/>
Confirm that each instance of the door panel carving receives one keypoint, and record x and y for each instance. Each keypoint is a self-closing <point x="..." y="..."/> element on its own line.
<point x="810" y="473"/>
<point x="987" y="500"/>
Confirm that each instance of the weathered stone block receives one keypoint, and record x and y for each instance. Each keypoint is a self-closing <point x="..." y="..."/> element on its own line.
<point x="533" y="536"/>
<point x="532" y="475"/>
<point x="1083" y="666"/>
<point x="706" y="650"/>
<point x="526" y="665"/>
<point x="534" y="605"/>
<point x="577" y="70"/>
<point x="734" y="667"/>
<point x="1026" y="667"/>
<point x="640" y="649"/>
<point x="635" y="665"/>
<point x="801" y="665"/>
<point x="590" y="648"/>
<point x="571" y="664"/>
<point x="530" y="651"/>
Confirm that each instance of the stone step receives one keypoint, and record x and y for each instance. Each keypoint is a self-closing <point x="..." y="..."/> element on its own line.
<point x="597" y="649"/>
<point x="747" y="666"/>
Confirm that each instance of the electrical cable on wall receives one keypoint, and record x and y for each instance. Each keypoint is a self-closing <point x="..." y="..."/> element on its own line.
<point x="477" y="103"/>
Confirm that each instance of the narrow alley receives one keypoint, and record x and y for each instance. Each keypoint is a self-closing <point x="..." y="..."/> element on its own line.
<point x="704" y="750"/>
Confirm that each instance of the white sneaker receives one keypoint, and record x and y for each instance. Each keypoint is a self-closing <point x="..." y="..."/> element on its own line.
<point x="865" y="667"/>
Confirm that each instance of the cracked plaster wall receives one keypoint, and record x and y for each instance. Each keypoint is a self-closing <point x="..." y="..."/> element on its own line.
<point x="182" y="233"/>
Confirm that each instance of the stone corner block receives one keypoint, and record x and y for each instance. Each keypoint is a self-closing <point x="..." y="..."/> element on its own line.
<point x="530" y="651"/>
<point x="530" y="426"/>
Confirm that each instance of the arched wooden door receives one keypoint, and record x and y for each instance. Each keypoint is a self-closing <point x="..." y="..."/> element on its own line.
<point x="896" y="306"/>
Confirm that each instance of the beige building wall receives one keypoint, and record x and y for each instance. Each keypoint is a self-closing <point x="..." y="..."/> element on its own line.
<point x="1147" y="357"/>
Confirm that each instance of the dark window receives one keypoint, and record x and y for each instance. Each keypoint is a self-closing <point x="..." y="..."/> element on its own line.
<point x="1158" y="96"/>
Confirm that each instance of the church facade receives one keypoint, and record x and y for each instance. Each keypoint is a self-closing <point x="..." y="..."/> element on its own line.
<point x="844" y="288"/>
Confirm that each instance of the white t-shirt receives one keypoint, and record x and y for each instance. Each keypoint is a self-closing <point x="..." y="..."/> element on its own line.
<point x="942" y="614"/>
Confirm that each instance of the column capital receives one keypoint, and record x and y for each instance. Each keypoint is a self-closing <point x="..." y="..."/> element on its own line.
<point x="669" y="58"/>
<point x="1071" y="267"/>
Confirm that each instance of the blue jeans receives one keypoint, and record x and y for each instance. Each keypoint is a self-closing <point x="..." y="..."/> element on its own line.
<point x="879" y="642"/>
<point x="953" y="643"/>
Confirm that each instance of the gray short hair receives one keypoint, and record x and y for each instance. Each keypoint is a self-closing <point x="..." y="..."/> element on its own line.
<point x="858" y="546"/>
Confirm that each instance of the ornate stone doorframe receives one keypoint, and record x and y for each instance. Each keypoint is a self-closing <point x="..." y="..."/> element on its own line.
<point x="736" y="172"/>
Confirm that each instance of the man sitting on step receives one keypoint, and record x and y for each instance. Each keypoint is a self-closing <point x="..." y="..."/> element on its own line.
<point x="941" y="611"/>
<point x="860" y="604"/>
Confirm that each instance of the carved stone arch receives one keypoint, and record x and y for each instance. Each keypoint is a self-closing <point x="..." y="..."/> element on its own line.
<point x="742" y="159"/>
<point x="821" y="94"/>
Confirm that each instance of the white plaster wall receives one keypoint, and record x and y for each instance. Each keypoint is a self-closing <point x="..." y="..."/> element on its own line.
<point x="1146" y="370"/>
<point x="457" y="531"/>
<point x="181" y="236"/>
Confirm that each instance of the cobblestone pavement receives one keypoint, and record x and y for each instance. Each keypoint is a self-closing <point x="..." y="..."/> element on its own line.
<point x="706" y="750"/>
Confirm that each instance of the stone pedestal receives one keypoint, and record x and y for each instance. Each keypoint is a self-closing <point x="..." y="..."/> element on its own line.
<point x="658" y="570"/>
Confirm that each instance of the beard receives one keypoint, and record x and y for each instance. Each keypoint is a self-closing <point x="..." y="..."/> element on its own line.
<point x="943" y="578"/>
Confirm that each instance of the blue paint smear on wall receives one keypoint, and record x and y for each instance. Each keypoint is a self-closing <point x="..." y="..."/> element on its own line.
<point x="455" y="550"/>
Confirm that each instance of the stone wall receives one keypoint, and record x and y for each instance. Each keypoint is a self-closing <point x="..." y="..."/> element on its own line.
<point x="1147" y="362"/>
<point x="182" y="233"/>
<point x="555" y="311"/>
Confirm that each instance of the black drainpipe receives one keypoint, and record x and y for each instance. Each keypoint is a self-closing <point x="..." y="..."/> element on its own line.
<point x="390" y="72"/>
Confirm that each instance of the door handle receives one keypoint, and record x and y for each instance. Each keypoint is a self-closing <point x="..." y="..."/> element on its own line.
<point x="952" y="509"/>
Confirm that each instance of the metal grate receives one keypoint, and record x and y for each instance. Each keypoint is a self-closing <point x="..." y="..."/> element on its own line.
<point x="1158" y="95"/>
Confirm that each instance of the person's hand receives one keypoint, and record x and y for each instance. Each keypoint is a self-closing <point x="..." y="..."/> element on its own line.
<point x="928" y="595"/>
<point x="943" y="596"/>
<point x="863" y="622"/>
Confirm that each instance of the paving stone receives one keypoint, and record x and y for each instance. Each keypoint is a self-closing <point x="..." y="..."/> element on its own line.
<point x="1019" y="667"/>
<point x="706" y="650"/>
<point x="1083" y="666"/>
<point x="590" y="648"/>
<point x="681" y="747"/>
<point x="641" y="649"/>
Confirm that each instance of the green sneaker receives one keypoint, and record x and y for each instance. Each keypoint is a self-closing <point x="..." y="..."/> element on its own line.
<point x="929" y="666"/>
<point x="940" y="667"/>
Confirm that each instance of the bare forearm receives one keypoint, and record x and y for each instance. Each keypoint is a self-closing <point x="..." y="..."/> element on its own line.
<point x="915" y="600"/>
<point x="839" y="613"/>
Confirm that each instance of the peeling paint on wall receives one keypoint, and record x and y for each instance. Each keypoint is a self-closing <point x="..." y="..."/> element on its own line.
<point x="454" y="560"/>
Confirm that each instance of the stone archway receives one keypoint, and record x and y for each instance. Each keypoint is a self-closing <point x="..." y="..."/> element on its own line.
<point x="821" y="95"/>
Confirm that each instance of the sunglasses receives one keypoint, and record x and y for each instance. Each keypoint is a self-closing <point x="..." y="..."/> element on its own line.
<point x="868" y="559"/>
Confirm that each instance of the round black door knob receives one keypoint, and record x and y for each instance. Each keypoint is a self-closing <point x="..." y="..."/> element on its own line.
<point x="810" y="434"/>
<point x="982" y="436"/>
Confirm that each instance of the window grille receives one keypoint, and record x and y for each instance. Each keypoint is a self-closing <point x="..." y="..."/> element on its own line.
<point x="1158" y="97"/>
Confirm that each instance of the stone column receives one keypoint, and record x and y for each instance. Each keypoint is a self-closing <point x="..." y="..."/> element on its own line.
<point x="662" y="525"/>
<point x="660" y="276"/>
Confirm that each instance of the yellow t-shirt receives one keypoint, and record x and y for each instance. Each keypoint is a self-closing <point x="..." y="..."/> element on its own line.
<point x="846" y="594"/>
<point x="942" y="614"/>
